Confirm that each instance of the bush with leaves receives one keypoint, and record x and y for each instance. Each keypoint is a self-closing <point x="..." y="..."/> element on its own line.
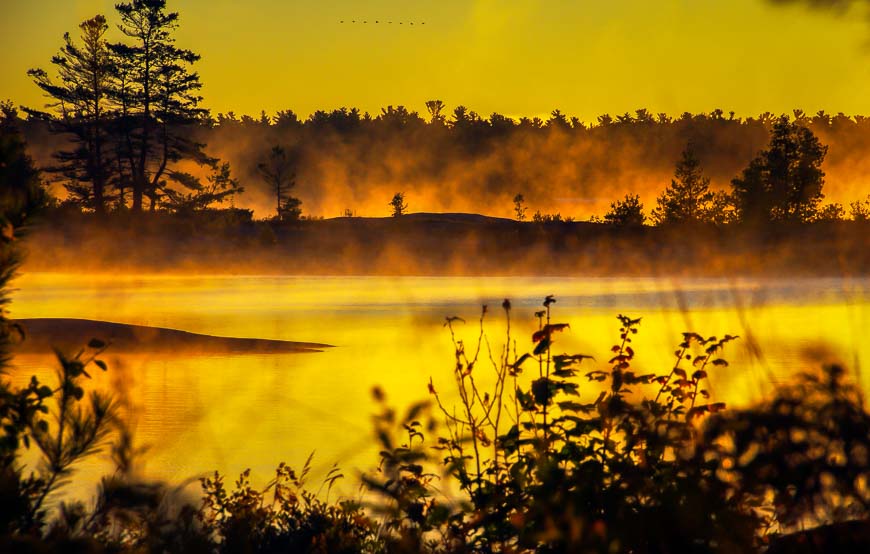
<point x="859" y="210"/>
<point x="807" y="448"/>
<point x="282" y="517"/>
<point x="542" y="467"/>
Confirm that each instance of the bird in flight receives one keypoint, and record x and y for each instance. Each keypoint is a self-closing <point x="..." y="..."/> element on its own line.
<point x="378" y="21"/>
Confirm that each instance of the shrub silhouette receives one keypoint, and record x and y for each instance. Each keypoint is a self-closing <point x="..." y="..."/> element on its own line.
<point x="543" y="467"/>
<point x="640" y="462"/>
<point x="807" y="448"/>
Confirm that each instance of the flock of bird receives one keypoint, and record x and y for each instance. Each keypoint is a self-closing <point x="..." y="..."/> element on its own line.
<point x="376" y="22"/>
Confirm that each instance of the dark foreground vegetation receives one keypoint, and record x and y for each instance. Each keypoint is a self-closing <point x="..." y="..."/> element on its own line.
<point x="556" y="453"/>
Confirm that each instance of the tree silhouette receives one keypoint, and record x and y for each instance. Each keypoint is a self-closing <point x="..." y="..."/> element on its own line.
<point x="279" y="172"/>
<point x="79" y="102"/>
<point x="158" y="97"/>
<point x="21" y="190"/>
<point x="784" y="182"/>
<point x="519" y="208"/>
<point x="220" y="186"/>
<point x="435" y="107"/>
<point x="859" y="210"/>
<point x="398" y="204"/>
<point x="627" y="212"/>
<point x="831" y="212"/>
<point x="688" y="199"/>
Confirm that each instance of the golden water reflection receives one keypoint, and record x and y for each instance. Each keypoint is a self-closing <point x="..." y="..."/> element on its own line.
<point x="200" y="413"/>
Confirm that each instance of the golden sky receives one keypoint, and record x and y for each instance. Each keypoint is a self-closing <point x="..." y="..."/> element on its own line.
<point x="516" y="57"/>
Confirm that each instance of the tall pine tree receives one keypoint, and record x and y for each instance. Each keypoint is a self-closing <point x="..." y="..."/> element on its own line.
<point x="688" y="199"/>
<point x="79" y="107"/>
<point x="158" y="98"/>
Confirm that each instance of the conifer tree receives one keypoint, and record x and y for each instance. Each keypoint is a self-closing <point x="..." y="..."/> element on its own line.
<point x="79" y="107"/>
<point x="688" y="199"/>
<point x="158" y="97"/>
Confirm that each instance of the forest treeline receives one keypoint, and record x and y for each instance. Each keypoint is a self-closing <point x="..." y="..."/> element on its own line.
<point x="124" y="129"/>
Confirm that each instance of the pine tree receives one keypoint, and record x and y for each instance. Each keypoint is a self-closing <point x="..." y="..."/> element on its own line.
<point x="688" y="199"/>
<point x="158" y="98"/>
<point x="627" y="212"/>
<point x="279" y="172"/>
<point x="519" y="207"/>
<point x="400" y="207"/>
<point x="784" y="182"/>
<point x="219" y="187"/>
<point x="80" y="109"/>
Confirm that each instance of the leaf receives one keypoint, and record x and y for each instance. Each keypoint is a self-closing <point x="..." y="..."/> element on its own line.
<point x="96" y="343"/>
<point x="541" y="391"/>
<point x="542" y="347"/>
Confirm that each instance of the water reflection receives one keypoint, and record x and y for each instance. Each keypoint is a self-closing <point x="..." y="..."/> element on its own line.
<point x="199" y="413"/>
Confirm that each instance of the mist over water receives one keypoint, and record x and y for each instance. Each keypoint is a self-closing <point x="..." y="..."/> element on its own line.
<point x="349" y="161"/>
<point x="203" y="412"/>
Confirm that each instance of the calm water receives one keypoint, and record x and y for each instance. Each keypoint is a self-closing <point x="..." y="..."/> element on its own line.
<point x="200" y="413"/>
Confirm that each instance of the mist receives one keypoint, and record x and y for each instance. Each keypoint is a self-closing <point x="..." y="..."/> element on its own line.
<point x="352" y="163"/>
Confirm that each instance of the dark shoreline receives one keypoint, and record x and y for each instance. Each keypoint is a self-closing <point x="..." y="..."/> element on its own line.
<point x="230" y="242"/>
<point x="68" y="335"/>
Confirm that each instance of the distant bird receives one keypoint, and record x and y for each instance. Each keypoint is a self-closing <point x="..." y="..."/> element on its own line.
<point x="378" y="21"/>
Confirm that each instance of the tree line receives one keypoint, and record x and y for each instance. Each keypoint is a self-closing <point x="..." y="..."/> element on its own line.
<point x="783" y="183"/>
<point x="128" y="132"/>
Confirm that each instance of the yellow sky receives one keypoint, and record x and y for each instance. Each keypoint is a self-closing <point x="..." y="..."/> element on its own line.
<point x="517" y="57"/>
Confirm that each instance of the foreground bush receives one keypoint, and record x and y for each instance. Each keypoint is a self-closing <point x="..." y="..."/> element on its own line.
<point x="556" y="454"/>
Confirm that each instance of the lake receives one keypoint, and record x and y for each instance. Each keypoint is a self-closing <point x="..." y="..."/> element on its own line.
<point x="200" y="413"/>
